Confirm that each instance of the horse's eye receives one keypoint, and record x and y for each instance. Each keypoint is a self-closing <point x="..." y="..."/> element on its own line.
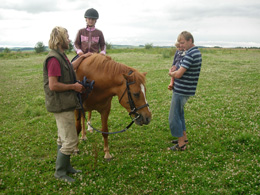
<point x="137" y="95"/>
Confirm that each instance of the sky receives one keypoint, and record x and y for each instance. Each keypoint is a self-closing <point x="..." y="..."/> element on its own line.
<point x="224" y="23"/>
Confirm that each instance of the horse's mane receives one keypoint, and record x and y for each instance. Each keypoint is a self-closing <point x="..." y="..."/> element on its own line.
<point x="99" y="62"/>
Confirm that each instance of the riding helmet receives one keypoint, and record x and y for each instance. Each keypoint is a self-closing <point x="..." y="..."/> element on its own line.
<point x="91" y="13"/>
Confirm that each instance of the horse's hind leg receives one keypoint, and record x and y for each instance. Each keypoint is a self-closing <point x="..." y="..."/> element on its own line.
<point x="78" y="126"/>
<point x="90" y="129"/>
<point x="83" y="128"/>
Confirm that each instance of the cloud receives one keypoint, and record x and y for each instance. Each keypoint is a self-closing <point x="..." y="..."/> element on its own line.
<point x="30" y="6"/>
<point x="35" y="7"/>
<point x="133" y="22"/>
<point x="195" y="10"/>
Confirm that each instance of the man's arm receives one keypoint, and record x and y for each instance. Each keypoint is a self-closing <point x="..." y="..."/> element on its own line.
<point x="177" y="74"/>
<point x="55" y="85"/>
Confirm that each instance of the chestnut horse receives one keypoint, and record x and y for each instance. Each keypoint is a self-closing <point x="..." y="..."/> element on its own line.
<point x="112" y="79"/>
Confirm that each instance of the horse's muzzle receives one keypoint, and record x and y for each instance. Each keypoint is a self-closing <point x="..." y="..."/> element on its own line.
<point x="143" y="120"/>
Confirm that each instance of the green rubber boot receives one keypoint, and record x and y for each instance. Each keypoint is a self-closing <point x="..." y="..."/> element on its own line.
<point x="70" y="169"/>
<point x="62" y="164"/>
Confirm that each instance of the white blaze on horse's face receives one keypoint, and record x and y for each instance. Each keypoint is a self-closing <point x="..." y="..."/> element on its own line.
<point x="143" y="90"/>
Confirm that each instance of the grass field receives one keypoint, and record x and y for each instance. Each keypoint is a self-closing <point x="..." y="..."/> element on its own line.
<point x="223" y="155"/>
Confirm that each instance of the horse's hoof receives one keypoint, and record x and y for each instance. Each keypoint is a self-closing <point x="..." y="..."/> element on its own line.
<point x="108" y="157"/>
<point x="84" y="138"/>
<point x="90" y="130"/>
<point x="108" y="160"/>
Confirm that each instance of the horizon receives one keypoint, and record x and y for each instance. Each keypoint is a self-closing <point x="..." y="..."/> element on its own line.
<point x="141" y="45"/>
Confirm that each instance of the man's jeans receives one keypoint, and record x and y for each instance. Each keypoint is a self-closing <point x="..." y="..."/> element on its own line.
<point x="176" y="115"/>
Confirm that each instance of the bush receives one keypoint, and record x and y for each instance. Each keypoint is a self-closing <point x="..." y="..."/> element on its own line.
<point x="148" y="46"/>
<point x="39" y="48"/>
<point x="167" y="53"/>
<point x="108" y="45"/>
<point x="7" y="50"/>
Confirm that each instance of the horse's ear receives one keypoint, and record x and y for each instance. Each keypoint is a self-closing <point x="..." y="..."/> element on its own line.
<point x="144" y="73"/>
<point x="125" y="76"/>
<point x="129" y="73"/>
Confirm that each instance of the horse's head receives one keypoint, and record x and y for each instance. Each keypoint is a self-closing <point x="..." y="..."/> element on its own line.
<point x="133" y="97"/>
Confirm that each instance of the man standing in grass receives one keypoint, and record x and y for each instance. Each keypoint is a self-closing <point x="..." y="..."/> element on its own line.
<point x="185" y="84"/>
<point x="61" y="90"/>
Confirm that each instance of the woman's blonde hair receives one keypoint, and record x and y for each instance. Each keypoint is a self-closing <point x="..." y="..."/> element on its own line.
<point x="58" y="37"/>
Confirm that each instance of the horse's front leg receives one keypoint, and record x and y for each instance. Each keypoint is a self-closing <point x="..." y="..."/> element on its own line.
<point x="104" y="118"/>
<point x="90" y="129"/>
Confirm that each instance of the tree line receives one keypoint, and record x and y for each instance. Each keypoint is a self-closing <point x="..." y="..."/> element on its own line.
<point x="40" y="47"/>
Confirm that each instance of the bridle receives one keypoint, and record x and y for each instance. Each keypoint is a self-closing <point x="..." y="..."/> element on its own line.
<point x="132" y="107"/>
<point x="130" y="99"/>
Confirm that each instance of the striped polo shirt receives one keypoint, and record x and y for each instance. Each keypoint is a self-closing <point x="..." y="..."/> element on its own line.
<point x="187" y="84"/>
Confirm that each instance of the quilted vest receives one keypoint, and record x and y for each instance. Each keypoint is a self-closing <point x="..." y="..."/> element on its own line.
<point x="60" y="101"/>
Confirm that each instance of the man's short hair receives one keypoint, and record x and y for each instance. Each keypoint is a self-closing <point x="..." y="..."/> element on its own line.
<point x="186" y="35"/>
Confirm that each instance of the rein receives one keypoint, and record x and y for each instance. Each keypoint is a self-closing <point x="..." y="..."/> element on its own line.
<point x="132" y="106"/>
<point x="88" y="85"/>
<point x="123" y="130"/>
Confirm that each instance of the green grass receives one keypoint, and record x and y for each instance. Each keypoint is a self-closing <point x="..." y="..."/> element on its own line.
<point x="222" y="124"/>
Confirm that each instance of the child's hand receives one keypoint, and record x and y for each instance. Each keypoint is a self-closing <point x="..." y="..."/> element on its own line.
<point x="173" y="68"/>
<point x="87" y="54"/>
<point x="170" y="74"/>
<point x="80" y="53"/>
<point x="170" y="86"/>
